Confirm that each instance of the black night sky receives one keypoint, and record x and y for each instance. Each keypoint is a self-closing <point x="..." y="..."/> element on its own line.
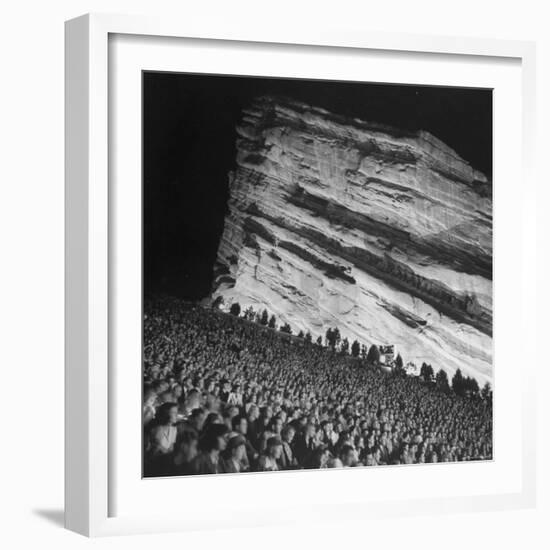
<point x="189" y="147"/>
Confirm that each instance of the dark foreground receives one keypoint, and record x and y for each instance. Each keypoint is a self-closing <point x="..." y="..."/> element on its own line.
<point x="224" y="395"/>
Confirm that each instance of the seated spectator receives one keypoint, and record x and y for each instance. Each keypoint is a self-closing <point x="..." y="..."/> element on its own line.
<point x="268" y="462"/>
<point x="212" y="443"/>
<point x="236" y="461"/>
<point x="186" y="451"/>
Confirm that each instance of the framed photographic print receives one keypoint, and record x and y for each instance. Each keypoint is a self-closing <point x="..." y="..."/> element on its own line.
<point x="295" y="266"/>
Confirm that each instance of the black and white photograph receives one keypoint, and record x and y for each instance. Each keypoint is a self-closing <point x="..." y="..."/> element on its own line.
<point x="317" y="274"/>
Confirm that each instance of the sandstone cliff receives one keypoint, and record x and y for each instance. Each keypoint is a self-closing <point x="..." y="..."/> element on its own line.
<point x="384" y="233"/>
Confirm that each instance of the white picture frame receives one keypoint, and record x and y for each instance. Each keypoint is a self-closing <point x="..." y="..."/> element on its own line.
<point x="90" y="219"/>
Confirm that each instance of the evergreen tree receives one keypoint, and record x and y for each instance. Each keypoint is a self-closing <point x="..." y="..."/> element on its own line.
<point x="235" y="309"/>
<point x="286" y="328"/>
<point x="320" y="341"/>
<point x="249" y="313"/>
<point x="308" y="337"/>
<point x="457" y="382"/>
<point x="398" y="366"/>
<point x="332" y="337"/>
<point x="329" y="338"/>
<point x="301" y="334"/>
<point x="373" y="356"/>
<point x="486" y="392"/>
<point x="426" y="373"/>
<point x="264" y="319"/>
<point x="473" y="387"/>
<point x="344" y="347"/>
<point x="355" y="348"/>
<point x="272" y="322"/>
<point x="336" y="334"/>
<point x="442" y="381"/>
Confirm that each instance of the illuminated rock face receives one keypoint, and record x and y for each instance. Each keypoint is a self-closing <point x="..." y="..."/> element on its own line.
<point x="385" y="234"/>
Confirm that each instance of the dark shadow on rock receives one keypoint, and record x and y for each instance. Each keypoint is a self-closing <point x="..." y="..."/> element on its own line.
<point x="57" y="517"/>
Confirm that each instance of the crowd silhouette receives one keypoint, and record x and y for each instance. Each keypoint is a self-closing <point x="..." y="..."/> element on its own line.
<point x="227" y="395"/>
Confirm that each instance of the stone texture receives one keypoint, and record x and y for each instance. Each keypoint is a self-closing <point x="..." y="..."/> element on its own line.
<point x="384" y="233"/>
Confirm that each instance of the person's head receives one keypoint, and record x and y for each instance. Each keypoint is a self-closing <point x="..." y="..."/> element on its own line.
<point x="187" y="445"/>
<point x="319" y="458"/>
<point x="240" y="424"/>
<point x="348" y="456"/>
<point x="166" y="397"/>
<point x="310" y="430"/>
<point x="277" y="424"/>
<point x="267" y="413"/>
<point x="167" y="414"/>
<point x="274" y="447"/>
<point x="214" y="438"/>
<point x="192" y="401"/>
<point x="211" y="419"/>
<point x="253" y="413"/>
<point x="232" y="412"/>
<point x="197" y="418"/>
<point x="370" y="460"/>
<point x="327" y="428"/>
<point x="236" y="447"/>
<point x="288" y="433"/>
<point x="149" y="398"/>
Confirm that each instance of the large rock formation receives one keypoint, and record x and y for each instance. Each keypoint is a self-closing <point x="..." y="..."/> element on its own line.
<point x="386" y="234"/>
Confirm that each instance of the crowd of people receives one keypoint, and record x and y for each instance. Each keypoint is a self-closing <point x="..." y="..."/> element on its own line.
<point x="225" y="395"/>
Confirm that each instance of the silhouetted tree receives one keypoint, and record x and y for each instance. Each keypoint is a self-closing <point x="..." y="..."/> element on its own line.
<point x="264" y="320"/>
<point x="308" y="336"/>
<point x="486" y="392"/>
<point x="426" y="372"/>
<point x="373" y="356"/>
<point x="442" y="381"/>
<point x="249" y="313"/>
<point x="272" y="322"/>
<point x="286" y="328"/>
<point x="235" y="309"/>
<point x="355" y="348"/>
<point x="457" y="383"/>
<point x="398" y="366"/>
<point x="470" y="387"/>
<point x="344" y="346"/>
<point x="329" y="337"/>
<point x="332" y="337"/>
<point x="336" y="333"/>
<point x="320" y="341"/>
<point x="301" y="334"/>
